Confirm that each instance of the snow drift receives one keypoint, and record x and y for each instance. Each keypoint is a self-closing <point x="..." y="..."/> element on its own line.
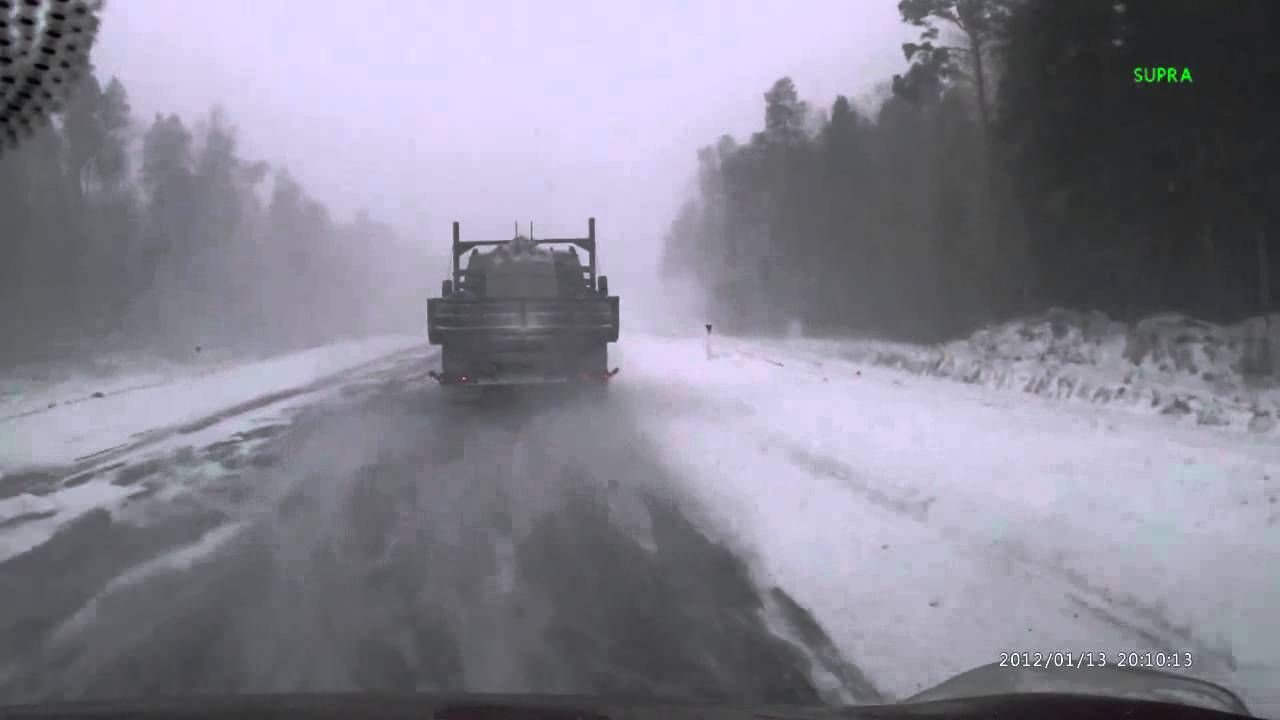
<point x="1217" y="375"/>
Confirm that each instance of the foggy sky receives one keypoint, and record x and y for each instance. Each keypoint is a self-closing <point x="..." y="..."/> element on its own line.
<point x="428" y="111"/>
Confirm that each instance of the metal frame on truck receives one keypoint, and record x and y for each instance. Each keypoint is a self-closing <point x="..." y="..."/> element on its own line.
<point x="462" y="247"/>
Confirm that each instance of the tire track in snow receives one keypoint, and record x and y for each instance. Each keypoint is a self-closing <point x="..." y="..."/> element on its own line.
<point x="630" y="471"/>
<point x="130" y="458"/>
<point x="1124" y="612"/>
<point x="824" y="655"/>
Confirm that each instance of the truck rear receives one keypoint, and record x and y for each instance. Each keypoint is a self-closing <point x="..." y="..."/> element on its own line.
<point x="524" y="311"/>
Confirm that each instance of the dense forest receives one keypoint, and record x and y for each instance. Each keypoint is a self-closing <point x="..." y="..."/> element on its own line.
<point x="1016" y="165"/>
<point x="119" y="234"/>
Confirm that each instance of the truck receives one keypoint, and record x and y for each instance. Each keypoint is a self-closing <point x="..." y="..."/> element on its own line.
<point x="524" y="311"/>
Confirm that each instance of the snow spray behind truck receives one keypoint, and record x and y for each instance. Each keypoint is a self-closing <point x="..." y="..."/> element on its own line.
<point x="526" y="311"/>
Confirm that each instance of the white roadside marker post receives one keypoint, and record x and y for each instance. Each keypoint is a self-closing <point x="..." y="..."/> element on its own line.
<point x="708" y="341"/>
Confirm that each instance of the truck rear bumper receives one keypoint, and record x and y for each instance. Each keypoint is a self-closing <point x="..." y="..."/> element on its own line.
<point x="568" y="359"/>
<point x="466" y="380"/>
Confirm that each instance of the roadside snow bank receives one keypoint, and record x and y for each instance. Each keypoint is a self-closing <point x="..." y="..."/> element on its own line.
<point x="1168" y="364"/>
<point x="54" y="424"/>
<point x="29" y="388"/>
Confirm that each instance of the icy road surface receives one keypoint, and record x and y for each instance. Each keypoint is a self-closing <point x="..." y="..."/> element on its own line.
<point x="764" y="524"/>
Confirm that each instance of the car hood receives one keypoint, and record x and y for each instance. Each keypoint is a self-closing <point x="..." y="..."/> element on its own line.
<point x="1110" y="681"/>
<point x="980" y="694"/>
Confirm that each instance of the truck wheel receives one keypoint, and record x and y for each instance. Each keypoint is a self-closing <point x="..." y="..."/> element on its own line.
<point x="453" y="362"/>
<point x="596" y="360"/>
<point x="596" y="363"/>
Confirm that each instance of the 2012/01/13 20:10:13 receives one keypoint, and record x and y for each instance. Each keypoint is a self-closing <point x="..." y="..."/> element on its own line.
<point x="1096" y="659"/>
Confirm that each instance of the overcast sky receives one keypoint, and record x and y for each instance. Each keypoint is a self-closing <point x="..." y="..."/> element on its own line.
<point x="424" y="111"/>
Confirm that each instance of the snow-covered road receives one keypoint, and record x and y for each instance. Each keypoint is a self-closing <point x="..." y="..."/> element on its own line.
<point x="932" y="525"/>
<point x="328" y="532"/>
